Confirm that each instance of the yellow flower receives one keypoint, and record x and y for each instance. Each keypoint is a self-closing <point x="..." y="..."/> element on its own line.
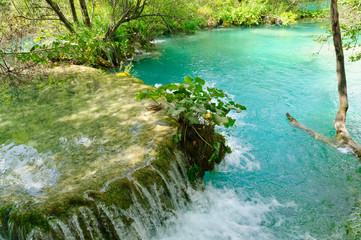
<point x="208" y="115"/>
<point x="123" y="74"/>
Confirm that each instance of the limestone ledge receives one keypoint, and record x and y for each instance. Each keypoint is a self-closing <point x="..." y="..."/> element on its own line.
<point x="105" y="150"/>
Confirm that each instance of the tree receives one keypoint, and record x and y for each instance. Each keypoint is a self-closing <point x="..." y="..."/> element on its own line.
<point x="342" y="136"/>
<point x="110" y="48"/>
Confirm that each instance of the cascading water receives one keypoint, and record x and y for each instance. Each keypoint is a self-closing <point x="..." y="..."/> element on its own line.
<point x="96" y="166"/>
<point x="279" y="183"/>
<point x="151" y="206"/>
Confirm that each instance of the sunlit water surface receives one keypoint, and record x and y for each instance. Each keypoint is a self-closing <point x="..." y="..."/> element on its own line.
<point x="278" y="183"/>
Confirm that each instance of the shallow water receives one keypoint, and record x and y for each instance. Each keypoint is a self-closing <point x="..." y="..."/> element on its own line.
<point x="58" y="133"/>
<point x="278" y="183"/>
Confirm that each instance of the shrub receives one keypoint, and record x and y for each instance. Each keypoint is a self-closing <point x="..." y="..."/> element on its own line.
<point x="197" y="110"/>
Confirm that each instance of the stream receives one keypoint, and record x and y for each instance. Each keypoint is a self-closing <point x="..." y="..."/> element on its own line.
<point x="279" y="183"/>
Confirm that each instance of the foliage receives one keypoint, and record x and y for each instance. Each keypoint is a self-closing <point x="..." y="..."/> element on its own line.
<point x="116" y="30"/>
<point x="199" y="109"/>
<point x="288" y="18"/>
<point x="351" y="27"/>
<point x="253" y="12"/>
<point x="350" y="24"/>
<point x="188" y="101"/>
<point x="314" y="9"/>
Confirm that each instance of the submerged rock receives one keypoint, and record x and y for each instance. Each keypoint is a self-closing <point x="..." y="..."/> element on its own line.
<point x="81" y="159"/>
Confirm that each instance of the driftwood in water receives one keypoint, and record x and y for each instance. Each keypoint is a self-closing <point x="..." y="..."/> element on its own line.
<point x="313" y="133"/>
<point x="336" y="142"/>
<point x="342" y="137"/>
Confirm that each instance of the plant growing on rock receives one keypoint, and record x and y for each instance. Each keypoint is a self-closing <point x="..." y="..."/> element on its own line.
<point x="198" y="110"/>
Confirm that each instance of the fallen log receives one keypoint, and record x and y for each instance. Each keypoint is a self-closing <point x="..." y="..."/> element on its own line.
<point x="337" y="142"/>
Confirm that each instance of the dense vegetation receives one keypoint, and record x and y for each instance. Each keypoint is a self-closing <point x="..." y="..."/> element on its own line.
<point x="105" y="34"/>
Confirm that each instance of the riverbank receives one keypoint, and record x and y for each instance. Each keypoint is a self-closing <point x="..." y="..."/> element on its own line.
<point x="81" y="158"/>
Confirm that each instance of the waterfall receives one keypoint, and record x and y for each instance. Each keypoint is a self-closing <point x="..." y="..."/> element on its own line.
<point x="157" y="191"/>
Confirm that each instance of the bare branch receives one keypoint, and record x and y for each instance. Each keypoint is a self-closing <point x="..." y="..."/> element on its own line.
<point x="39" y="19"/>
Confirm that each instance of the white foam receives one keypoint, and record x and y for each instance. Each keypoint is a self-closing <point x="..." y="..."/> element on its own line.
<point x="157" y="41"/>
<point x="83" y="140"/>
<point x="345" y="150"/>
<point x="24" y="167"/>
<point x="224" y="214"/>
<point x="241" y="157"/>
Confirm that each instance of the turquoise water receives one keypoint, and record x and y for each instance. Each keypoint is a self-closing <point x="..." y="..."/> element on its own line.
<point x="278" y="183"/>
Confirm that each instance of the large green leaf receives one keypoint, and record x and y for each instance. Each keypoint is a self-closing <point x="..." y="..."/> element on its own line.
<point x="200" y="81"/>
<point x="176" y="111"/>
<point x="177" y="137"/>
<point x="219" y="120"/>
<point x="199" y="108"/>
<point x="198" y="89"/>
<point x="141" y="95"/>
<point x="188" y="80"/>
<point x="191" y="118"/>
<point x="230" y="123"/>
<point x="169" y="87"/>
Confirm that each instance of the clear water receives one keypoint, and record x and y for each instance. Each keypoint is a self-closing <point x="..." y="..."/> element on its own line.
<point x="278" y="183"/>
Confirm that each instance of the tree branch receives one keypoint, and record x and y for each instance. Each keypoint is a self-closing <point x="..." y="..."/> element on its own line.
<point x="73" y="11"/>
<point x="61" y="16"/>
<point x="84" y="12"/>
<point x="39" y="19"/>
<point x="342" y="136"/>
<point x="314" y="134"/>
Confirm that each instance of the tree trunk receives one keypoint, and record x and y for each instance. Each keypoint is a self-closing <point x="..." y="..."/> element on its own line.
<point x="84" y="12"/>
<point x="113" y="28"/>
<point x="61" y="16"/>
<point x="342" y="135"/>
<point x="340" y="120"/>
<point x="73" y="11"/>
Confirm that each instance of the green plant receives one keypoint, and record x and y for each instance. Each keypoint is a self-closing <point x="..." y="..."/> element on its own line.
<point x="197" y="109"/>
<point x="190" y="102"/>
<point x="288" y="18"/>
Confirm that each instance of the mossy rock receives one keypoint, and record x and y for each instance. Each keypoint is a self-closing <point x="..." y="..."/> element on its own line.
<point x="100" y="150"/>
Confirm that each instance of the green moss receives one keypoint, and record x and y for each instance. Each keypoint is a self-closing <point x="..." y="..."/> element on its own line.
<point x="52" y="115"/>
<point x="147" y="177"/>
<point x="28" y="219"/>
<point x="118" y="192"/>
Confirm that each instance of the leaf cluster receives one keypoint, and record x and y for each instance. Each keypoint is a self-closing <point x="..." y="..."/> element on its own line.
<point x="192" y="102"/>
<point x="351" y="27"/>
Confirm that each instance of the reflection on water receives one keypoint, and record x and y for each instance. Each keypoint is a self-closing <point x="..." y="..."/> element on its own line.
<point x="24" y="169"/>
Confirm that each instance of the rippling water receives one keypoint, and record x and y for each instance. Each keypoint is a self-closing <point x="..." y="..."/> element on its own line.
<point x="278" y="183"/>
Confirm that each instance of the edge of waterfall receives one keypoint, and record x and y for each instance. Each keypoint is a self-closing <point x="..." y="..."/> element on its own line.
<point x="132" y="203"/>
